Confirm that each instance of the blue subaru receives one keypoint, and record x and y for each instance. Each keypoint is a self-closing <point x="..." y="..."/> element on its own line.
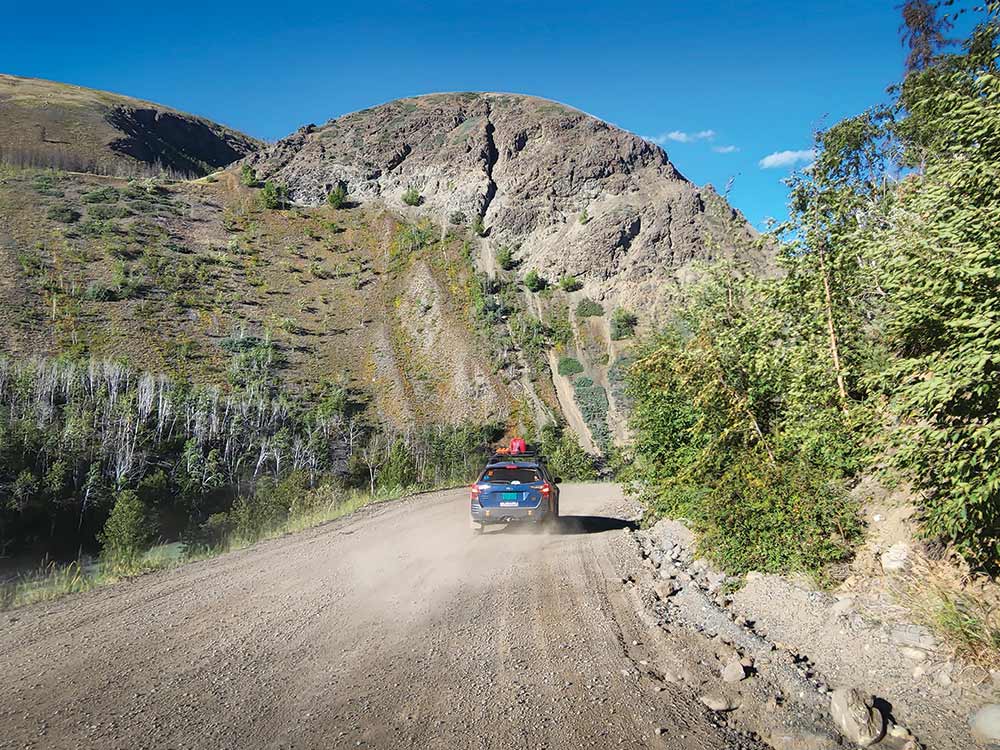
<point x="514" y="487"/>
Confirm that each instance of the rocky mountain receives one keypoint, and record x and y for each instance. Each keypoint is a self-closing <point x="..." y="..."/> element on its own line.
<point x="47" y="124"/>
<point x="412" y="292"/>
<point x="570" y="193"/>
<point x="552" y="192"/>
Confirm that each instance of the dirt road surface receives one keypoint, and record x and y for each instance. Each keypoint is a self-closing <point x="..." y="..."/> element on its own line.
<point x="394" y="628"/>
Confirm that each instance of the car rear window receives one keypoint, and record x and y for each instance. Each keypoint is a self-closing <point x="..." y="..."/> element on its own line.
<point x="507" y="475"/>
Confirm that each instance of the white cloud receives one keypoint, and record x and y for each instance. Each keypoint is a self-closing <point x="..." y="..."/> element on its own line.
<point x="725" y="149"/>
<point x="680" y="136"/>
<point x="787" y="159"/>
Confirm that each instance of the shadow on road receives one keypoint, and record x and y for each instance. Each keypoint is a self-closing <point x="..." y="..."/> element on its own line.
<point x="571" y="525"/>
<point x="593" y="524"/>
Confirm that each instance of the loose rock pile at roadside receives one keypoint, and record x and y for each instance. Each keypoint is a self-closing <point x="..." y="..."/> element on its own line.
<point x="805" y="669"/>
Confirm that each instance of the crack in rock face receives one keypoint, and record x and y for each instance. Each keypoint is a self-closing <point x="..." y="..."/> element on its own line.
<point x="576" y="195"/>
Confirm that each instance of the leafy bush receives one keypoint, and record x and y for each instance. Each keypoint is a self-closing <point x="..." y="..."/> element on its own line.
<point x="399" y="470"/>
<point x="412" y="237"/>
<point x="584" y="217"/>
<point x="943" y="281"/>
<point x="570" y="284"/>
<point x="412" y="197"/>
<point x="46" y="184"/>
<point x="561" y="331"/>
<point x="31" y="261"/>
<point x="505" y="258"/>
<point x="531" y="336"/>
<point x="126" y="532"/>
<point x="97" y="292"/>
<point x="106" y="194"/>
<point x="569" y="366"/>
<point x="876" y="345"/>
<point x="254" y="515"/>
<point x="273" y="195"/>
<point x="564" y="456"/>
<point x="105" y="211"/>
<point x="593" y="402"/>
<point x="337" y="197"/>
<point x="534" y="282"/>
<point x="478" y="227"/>
<point x="587" y="308"/>
<point x="776" y="518"/>
<point x="248" y="176"/>
<point x="456" y="218"/>
<point x="623" y="324"/>
<point x="62" y="212"/>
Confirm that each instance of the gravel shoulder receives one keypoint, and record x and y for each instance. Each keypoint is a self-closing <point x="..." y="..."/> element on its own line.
<point x="394" y="627"/>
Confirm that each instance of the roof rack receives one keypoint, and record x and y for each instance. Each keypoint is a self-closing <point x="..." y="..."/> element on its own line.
<point x="503" y="454"/>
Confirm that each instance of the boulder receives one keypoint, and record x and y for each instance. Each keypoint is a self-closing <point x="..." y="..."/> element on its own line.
<point x="913" y="654"/>
<point x="665" y="589"/>
<point x="896" y="558"/>
<point x="734" y="671"/>
<point x="985" y="723"/>
<point x="855" y="715"/>
<point x="719" y="702"/>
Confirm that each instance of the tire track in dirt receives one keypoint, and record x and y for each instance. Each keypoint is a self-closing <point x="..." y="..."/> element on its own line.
<point x="395" y="628"/>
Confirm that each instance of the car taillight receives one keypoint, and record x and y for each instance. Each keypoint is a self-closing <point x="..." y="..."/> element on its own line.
<point x="546" y="488"/>
<point x="475" y="492"/>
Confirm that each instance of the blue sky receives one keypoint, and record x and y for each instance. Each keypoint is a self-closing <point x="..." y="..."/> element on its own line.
<point x="723" y="86"/>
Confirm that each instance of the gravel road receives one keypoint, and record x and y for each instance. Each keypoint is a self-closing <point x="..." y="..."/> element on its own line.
<point x="396" y="627"/>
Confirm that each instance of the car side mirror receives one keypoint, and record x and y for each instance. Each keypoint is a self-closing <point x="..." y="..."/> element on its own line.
<point x="557" y="480"/>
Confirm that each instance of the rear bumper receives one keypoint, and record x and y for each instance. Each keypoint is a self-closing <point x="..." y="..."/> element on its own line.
<point x="505" y="515"/>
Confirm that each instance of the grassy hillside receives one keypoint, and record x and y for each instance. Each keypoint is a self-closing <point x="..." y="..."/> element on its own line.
<point x="171" y="277"/>
<point x="47" y="124"/>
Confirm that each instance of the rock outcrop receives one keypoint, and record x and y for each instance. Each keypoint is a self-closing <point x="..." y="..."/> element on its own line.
<point x="571" y="194"/>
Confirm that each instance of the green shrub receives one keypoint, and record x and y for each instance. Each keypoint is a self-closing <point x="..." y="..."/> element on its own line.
<point x="63" y="213"/>
<point x="570" y="284"/>
<point x="106" y="194"/>
<point x="337" y="197"/>
<point x="273" y="195"/>
<point x="623" y="324"/>
<point x="564" y="456"/>
<point x="531" y="336"/>
<point x="584" y="216"/>
<point x="248" y="176"/>
<point x="478" y="227"/>
<point x="560" y="328"/>
<point x="106" y="211"/>
<point x="534" y="282"/>
<point x="569" y="366"/>
<point x="456" y="218"/>
<point x="126" y="532"/>
<point x="45" y="184"/>
<point x="399" y="471"/>
<point x="97" y="292"/>
<point x="412" y="237"/>
<point x="773" y="519"/>
<point x="31" y="261"/>
<point x="412" y="197"/>
<point x="593" y="402"/>
<point x="505" y="258"/>
<point x="587" y="308"/>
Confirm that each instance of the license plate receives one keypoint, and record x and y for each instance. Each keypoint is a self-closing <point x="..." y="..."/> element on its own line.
<point x="508" y="505"/>
<point x="510" y="496"/>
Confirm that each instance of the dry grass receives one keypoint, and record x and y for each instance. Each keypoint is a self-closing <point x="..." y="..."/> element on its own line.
<point x="207" y="259"/>
<point x="961" y="608"/>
